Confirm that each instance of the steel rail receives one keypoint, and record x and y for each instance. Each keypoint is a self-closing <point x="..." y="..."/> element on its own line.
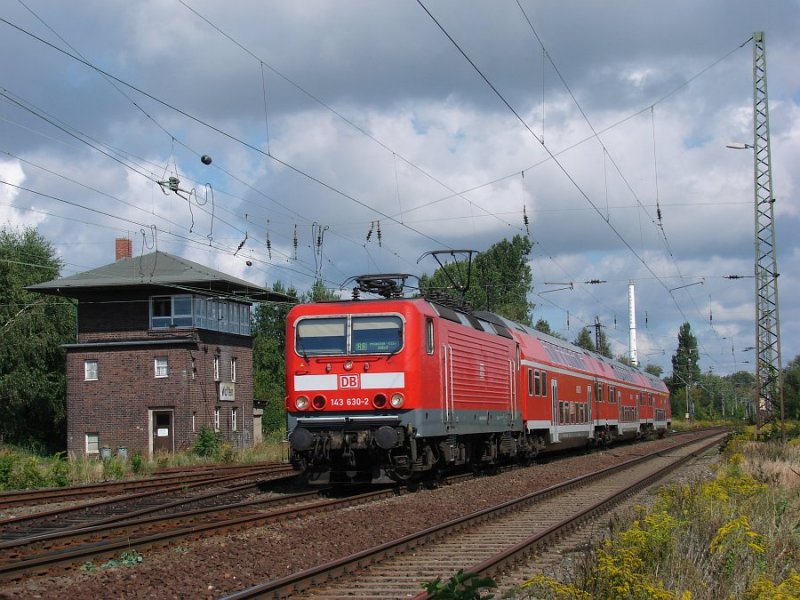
<point x="300" y="583"/>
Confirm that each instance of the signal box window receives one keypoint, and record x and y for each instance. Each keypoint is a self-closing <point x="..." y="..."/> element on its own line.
<point x="377" y="335"/>
<point x="171" y="311"/>
<point x="90" y="370"/>
<point x="92" y="443"/>
<point x="161" y="367"/>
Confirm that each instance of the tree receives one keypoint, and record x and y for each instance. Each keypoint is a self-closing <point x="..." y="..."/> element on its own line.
<point x="499" y="281"/>
<point x="269" y="350"/>
<point x="318" y="293"/>
<point x="625" y="359"/>
<point x="654" y="370"/>
<point x="584" y="339"/>
<point x="544" y="327"/>
<point x="269" y="344"/>
<point x="791" y="389"/>
<point x="685" y="363"/>
<point x="33" y="328"/>
<point x="604" y="347"/>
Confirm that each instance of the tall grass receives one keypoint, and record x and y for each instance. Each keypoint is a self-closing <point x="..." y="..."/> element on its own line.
<point x="736" y="535"/>
<point x="20" y="469"/>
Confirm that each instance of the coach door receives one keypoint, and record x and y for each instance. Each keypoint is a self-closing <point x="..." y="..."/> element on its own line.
<point x="163" y="438"/>
<point x="555" y="408"/>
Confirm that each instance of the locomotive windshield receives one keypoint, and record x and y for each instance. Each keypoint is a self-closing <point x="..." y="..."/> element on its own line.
<point x="372" y="334"/>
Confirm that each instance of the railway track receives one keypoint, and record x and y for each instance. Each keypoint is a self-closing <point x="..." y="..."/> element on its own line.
<point x="483" y="542"/>
<point x="118" y="508"/>
<point x="55" y="551"/>
<point x="160" y="481"/>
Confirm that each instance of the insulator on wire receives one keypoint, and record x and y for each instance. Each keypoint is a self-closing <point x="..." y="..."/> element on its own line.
<point x="371" y="227"/>
<point x="269" y="242"/>
<point x="356" y="293"/>
<point x="294" y="242"/>
<point x="525" y="219"/>
<point x="380" y="236"/>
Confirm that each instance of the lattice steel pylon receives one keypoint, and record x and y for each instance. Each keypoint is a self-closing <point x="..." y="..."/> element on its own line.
<point x="769" y="379"/>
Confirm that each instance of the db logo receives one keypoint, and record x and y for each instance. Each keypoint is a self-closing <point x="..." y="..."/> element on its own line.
<point x="348" y="382"/>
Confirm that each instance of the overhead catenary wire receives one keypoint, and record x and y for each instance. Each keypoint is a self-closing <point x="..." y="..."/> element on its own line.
<point x="111" y="79"/>
<point x="552" y="156"/>
<point x="401" y="213"/>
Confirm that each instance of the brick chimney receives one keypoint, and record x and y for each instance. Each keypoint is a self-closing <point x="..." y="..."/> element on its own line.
<point x="124" y="248"/>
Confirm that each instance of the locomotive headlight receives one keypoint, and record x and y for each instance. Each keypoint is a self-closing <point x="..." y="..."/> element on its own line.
<point x="301" y="403"/>
<point x="397" y="400"/>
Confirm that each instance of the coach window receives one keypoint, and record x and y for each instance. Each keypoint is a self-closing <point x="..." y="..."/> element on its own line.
<point x="537" y="384"/>
<point x="544" y="384"/>
<point x="530" y="382"/>
<point x="429" y="335"/>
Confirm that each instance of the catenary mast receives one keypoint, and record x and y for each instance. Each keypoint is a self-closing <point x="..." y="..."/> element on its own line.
<point x="769" y="384"/>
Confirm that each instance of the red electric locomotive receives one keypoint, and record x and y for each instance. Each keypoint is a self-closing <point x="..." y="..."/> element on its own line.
<point x="395" y="388"/>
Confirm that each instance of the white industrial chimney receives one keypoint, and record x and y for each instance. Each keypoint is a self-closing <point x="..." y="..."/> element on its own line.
<point x="632" y="321"/>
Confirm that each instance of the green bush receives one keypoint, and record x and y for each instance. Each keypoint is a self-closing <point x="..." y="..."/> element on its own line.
<point x="732" y="536"/>
<point x="113" y="469"/>
<point x="137" y="463"/>
<point x="461" y="586"/>
<point x="26" y="474"/>
<point x="207" y="443"/>
<point x="59" y="470"/>
<point x="7" y="462"/>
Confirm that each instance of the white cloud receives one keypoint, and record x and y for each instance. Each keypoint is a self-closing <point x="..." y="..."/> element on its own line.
<point x="438" y="129"/>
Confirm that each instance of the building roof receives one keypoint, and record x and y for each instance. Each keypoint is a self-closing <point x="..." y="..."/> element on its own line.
<point x="157" y="269"/>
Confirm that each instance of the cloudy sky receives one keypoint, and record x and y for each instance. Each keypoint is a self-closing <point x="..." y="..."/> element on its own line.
<point x="599" y="128"/>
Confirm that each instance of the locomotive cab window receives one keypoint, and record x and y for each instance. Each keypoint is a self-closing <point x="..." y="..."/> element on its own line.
<point x="337" y="336"/>
<point x="321" y="336"/>
<point x="377" y="335"/>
